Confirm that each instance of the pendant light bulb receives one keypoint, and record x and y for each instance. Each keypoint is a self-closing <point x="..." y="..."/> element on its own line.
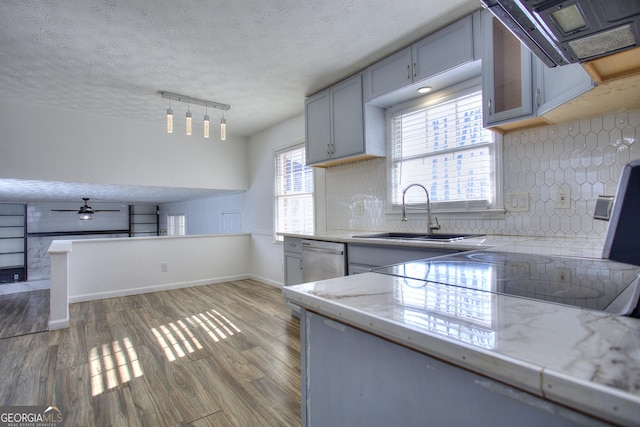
<point x="223" y="129"/>
<point x="206" y="126"/>
<point x="169" y="120"/>
<point x="189" y="117"/>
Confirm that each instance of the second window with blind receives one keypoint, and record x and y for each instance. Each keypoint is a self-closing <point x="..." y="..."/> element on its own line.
<point x="439" y="142"/>
<point x="294" y="205"/>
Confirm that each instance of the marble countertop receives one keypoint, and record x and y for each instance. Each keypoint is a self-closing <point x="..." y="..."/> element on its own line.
<point x="583" y="359"/>
<point x="559" y="246"/>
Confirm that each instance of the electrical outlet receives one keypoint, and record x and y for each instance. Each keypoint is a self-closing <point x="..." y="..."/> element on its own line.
<point x="359" y="207"/>
<point x="164" y="267"/>
<point x="563" y="275"/>
<point x="563" y="197"/>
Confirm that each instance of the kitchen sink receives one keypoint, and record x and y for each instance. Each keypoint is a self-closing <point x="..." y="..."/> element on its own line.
<point x="440" y="237"/>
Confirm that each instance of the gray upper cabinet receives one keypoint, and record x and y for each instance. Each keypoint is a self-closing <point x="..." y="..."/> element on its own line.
<point x="441" y="51"/>
<point x="392" y="73"/>
<point x="444" y="50"/>
<point x="558" y="85"/>
<point x="507" y="80"/>
<point x="516" y="85"/>
<point x="318" y="127"/>
<point x="346" y="122"/>
<point x="339" y="127"/>
<point x="347" y="118"/>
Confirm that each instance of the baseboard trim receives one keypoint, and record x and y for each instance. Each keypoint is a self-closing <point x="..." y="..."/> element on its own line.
<point x="58" y="324"/>
<point x="154" y="288"/>
<point x="266" y="281"/>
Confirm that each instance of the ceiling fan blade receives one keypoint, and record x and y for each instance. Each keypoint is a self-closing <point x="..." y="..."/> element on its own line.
<point x="85" y="209"/>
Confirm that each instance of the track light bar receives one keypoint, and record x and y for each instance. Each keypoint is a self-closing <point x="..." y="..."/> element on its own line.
<point x="196" y="101"/>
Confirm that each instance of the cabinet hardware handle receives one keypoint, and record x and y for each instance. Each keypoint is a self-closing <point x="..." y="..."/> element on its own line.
<point x="300" y="263"/>
<point x="415" y="69"/>
<point x="489" y="105"/>
<point x="538" y="97"/>
<point x="408" y="71"/>
<point x="328" y="148"/>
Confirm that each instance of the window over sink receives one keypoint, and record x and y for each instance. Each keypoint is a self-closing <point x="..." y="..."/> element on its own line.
<point x="438" y="141"/>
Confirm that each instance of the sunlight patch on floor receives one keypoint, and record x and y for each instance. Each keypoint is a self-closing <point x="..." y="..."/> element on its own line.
<point x="112" y="365"/>
<point x="176" y="339"/>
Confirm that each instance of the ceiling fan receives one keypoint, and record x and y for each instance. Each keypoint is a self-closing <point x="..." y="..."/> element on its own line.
<point x="86" y="212"/>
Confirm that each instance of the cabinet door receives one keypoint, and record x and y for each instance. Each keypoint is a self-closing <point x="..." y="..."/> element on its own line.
<point x="444" y="50"/>
<point x="390" y="74"/>
<point x="292" y="269"/>
<point x="318" y="127"/>
<point x="364" y="257"/>
<point x="347" y="119"/>
<point x="558" y="85"/>
<point x="506" y="75"/>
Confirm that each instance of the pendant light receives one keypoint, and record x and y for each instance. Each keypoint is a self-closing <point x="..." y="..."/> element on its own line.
<point x="206" y="124"/>
<point x="223" y="128"/>
<point x="189" y="117"/>
<point x="169" y="120"/>
<point x="188" y="123"/>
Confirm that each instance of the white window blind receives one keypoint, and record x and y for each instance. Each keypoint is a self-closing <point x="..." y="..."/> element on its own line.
<point x="176" y="225"/>
<point x="294" y="192"/>
<point x="444" y="148"/>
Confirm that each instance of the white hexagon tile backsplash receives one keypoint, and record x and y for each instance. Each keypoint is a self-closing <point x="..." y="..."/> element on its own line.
<point x="586" y="156"/>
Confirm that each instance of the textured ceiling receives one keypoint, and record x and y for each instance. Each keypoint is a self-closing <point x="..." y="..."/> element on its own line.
<point x="24" y="191"/>
<point x="260" y="56"/>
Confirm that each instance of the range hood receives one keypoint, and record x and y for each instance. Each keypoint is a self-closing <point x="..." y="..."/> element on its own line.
<point x="563" y="32"/>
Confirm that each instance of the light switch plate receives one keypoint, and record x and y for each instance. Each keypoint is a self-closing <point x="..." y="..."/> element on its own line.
<point x="518" y="202"/>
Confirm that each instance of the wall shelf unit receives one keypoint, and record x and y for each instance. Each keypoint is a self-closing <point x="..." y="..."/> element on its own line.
<point x="13" y="243"/>
<point x="143" y="221"/>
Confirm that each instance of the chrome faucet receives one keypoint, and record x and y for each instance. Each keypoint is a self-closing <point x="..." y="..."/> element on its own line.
<point x="430" y="227"/>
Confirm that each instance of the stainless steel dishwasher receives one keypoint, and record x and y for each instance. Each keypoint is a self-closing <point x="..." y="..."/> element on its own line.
<point x="322" y="260"/>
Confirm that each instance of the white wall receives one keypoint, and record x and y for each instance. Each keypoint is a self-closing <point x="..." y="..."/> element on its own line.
<point x="202" y="216"/>
<point x="266" y="254"/>
<point x="54" y="144"/>
<point x="105" y="268"/>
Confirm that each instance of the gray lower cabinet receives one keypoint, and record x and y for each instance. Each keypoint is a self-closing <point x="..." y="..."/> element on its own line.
<point x="362" y="258"/>
<point x="292" y="261"/>
<point x="354" y="378"/>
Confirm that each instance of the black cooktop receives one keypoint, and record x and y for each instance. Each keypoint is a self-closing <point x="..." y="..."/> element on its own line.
<point x="596" y="284"/>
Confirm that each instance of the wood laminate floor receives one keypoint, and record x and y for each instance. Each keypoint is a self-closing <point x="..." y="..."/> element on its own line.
<point x="24" y="313"/>
<point x="226" y="354"/>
